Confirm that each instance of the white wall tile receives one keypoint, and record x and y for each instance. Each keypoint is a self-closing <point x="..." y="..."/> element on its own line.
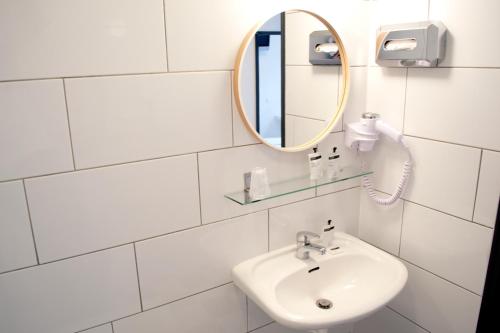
<point x="34" y="134"/>
<point x="99" y="208"/>
<point x="385" y="94"/>
<point x="356" y="102"/>
<point x="437" y="305"/>
<point x="61" y="38"/>
<point x="454" y="104"/>
<point x="312" y="215"/>
<point x="256" y="317"/>
<point x="380" y="225"/>
<point x="386" y="321"/>
<point x="452" y="170"/>
<point x="207" y="255"/>
<point x="488" y="191"/>
<point x="128" y="118"/>
<point x="452" y="248"/>
<point x="464" y="27"/>
<point x="221" y="172"/>
<point x="70" y="295"/>
<point x="299" y="130"/>
<point x="100" y="329"/>
<point x="311" y="91"/>
<point x="16" y="241"/>
<point x="220" y="310"/>
<point x="217" y="27"/>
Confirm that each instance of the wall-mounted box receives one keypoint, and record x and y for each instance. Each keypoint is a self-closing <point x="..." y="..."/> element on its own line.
<point x="419" y="44"/>
<point x="322" y="48"/>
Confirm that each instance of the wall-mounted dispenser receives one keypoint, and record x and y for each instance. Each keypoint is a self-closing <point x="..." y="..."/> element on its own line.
<point x="322" y="48"/>
<point x="419" y="44"/>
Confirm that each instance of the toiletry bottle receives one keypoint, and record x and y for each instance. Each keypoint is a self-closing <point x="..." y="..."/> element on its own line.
<point x="327" y="233"/>
<point x="315" y="164"/>
<point x="333" y="169"/>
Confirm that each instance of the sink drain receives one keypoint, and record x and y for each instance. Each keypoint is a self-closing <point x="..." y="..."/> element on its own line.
<point x="323" y="303"/>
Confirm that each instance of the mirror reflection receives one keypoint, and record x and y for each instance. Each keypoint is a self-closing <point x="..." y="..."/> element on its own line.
<point x="289" y="83"/>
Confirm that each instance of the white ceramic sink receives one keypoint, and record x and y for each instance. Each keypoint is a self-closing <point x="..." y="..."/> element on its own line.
<point x="356" y="278"/>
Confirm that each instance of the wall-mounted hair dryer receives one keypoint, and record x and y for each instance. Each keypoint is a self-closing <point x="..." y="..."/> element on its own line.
<point x="362" y="136"/>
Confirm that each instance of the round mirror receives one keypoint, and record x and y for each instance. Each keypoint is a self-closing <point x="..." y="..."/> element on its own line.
<point x="291" y="80"/>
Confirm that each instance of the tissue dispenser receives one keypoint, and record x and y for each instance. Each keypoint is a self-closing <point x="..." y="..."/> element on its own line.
<point x="420" y="44"/>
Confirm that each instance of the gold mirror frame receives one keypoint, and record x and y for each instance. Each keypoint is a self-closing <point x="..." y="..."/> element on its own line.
<point x="340" y="106"/>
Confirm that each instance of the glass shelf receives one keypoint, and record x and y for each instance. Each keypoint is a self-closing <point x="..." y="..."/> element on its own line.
<point x="299" y="184"/>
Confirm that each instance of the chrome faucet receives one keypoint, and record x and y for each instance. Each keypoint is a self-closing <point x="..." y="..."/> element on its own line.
<point x="304" y="244"/>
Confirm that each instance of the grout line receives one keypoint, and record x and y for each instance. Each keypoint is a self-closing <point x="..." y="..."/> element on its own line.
<point x="194" y="71"/>
<point x="268" y="230"/>
<point x="440" y="211"/>
<point x="165" y="32"/>
<point x="401" y="231"/>
<point x="304" y="117"/>
<point x="138" y="279"/>
<point x="440" y="277"/>
<point x="404" y="103"/>
<point x="31" y="224"/>
<point x="232" y="107"/>
<point x="69" y="124"/>
<point x="185" y="297"/>
<point x="127" y="162"/>
<point x="258" y="328"/>
<point x="199" y="185"/>
<point x="477" y="184"/>
<point x="451" y="143"/>
<point x="388" y="307"/>
<point x="112" y="327"/>
<point x="246" y="303"/>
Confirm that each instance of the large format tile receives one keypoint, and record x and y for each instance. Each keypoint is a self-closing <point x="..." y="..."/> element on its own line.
<point x="206" y="35"/>
<point x="207" y="256"/>
<point x="220" y="310"/>
<point x="469" y="21"/>
<point x="127" y="118"/>
<point x="488" y="192"/>
<point x="356" y="101"/>
<point x="380" y="225"/>
<point x="256" y="316"/>
<point x="460" y="105"/>
<point x="16" y="241"/>
<point x="221" y="172"/>
<point x="451" y="169"/>
<point x="311" y="91"/>
<point x="70" y="295"/>
<point x="385" y="94"/>
<point x="34" y="134"/>
<point x="59" y="38"/>
<point x="311" y="215"/>
<point x="450" y="247"/>
<point x="437" y="305"/>
<point x="88" y="210"/>
<point x="386" y="321"/>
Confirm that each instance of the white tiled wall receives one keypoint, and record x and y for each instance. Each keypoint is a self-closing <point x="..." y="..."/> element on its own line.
<point x="443" y="227"/>
<point x="118" y="140"/>
<point x="113" y="166"/>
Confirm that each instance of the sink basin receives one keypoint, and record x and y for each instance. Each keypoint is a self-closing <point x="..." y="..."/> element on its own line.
<point x="352" y="280"/>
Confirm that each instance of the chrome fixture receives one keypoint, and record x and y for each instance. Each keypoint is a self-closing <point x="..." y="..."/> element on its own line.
<point x="304" y="244"/>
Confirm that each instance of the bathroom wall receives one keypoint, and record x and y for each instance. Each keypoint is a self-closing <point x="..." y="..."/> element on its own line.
<point x="118" y="140"/>
<point x="442" y="228"/>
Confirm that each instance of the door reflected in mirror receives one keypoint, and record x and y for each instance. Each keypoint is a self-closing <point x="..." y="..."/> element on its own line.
<point x="289" y="78"/>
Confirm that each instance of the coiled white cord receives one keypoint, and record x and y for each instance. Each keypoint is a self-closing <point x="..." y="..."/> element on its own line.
<point x="407" y="168"/>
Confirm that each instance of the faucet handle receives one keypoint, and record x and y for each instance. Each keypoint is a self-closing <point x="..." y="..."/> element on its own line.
<point x="305" y="236"/>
